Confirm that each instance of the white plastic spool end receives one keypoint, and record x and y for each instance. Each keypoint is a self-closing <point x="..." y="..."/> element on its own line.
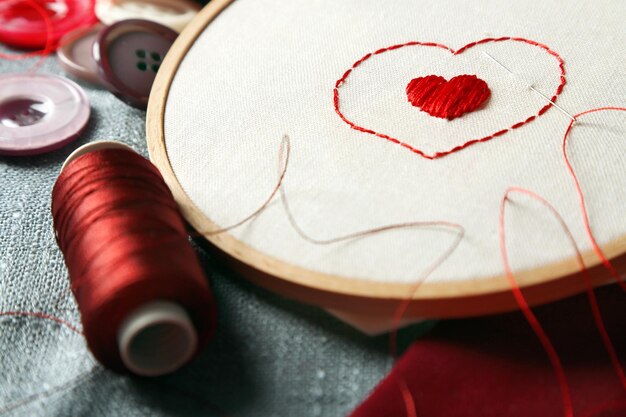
<point x="95" y="146"/>
<point x="156" y="339"/>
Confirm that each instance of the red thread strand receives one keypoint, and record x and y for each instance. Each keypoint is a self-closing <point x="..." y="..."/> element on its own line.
<point x="125" y="245"/>
<point x="525" y="308"/>
<point x="42" y="316"/>
<point x="593" y="301"/>
<point x="407" y="397"/>
<point x="441" y="154"/>
<point x="581" y="196"/>
<point x="590" y="294"/>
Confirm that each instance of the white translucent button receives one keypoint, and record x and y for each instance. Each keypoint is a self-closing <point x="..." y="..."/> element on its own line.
<point x="175" y="14"/>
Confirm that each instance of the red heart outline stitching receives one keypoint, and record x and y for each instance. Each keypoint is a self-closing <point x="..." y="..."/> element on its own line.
<point x="436" y="155"/>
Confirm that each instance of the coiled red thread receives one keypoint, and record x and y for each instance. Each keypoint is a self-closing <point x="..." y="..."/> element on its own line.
<point x="125" y="245"/>
<point x="49" y="45"/>
<point x="440" y="154"/>
<point x="445" y="99"/>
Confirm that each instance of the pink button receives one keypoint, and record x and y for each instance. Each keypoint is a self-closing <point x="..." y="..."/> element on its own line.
<point x="39" y="113"/>
<point x="76" y="54"/>
<point x="129" y="54"/>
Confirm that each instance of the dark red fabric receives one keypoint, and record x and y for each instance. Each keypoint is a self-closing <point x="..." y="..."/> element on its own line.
<point x="496" y="367"/>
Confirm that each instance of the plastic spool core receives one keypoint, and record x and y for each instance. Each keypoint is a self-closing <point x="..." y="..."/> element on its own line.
<point x="95" y="146"/>
<point x="158" y="337"/>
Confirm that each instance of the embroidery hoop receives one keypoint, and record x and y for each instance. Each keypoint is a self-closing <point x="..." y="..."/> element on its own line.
<point x="433" y="299"/>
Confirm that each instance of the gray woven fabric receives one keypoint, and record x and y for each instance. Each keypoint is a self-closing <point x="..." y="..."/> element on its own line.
<point x="271" y="356"/>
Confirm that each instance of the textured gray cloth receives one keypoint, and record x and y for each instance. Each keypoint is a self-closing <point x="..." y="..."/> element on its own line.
<point x="271" y="356"/>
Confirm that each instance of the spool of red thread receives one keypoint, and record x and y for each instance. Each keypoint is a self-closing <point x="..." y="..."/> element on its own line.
<point x="145" y="304"/>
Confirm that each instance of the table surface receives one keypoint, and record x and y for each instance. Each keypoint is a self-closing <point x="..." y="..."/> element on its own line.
<point x="271" y="356"/>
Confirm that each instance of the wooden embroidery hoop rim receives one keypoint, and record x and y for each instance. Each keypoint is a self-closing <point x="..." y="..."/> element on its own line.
<point x="443" y="299"/>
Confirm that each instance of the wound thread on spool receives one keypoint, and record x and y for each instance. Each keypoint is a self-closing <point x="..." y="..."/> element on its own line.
<point x="145" y="304"/>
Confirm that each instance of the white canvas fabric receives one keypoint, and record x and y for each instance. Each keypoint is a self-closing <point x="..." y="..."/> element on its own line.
<point x="266" y="68"/>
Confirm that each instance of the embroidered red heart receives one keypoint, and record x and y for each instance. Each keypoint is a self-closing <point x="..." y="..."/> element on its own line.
<point x="469" y="141"/>
<point x="447" y="99"/>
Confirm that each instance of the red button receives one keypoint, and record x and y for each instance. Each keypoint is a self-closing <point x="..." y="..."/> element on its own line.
<point x="39" y="113"/>
<point x="22" y="25"/>
<point x="129" y="54"/>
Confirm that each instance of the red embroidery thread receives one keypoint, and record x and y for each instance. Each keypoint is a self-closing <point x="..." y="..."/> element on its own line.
<point x="581" y="197"/>
<point x="436" y="155"/>
<point x="43" y="316"/>
<point x="444" y="99"/>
